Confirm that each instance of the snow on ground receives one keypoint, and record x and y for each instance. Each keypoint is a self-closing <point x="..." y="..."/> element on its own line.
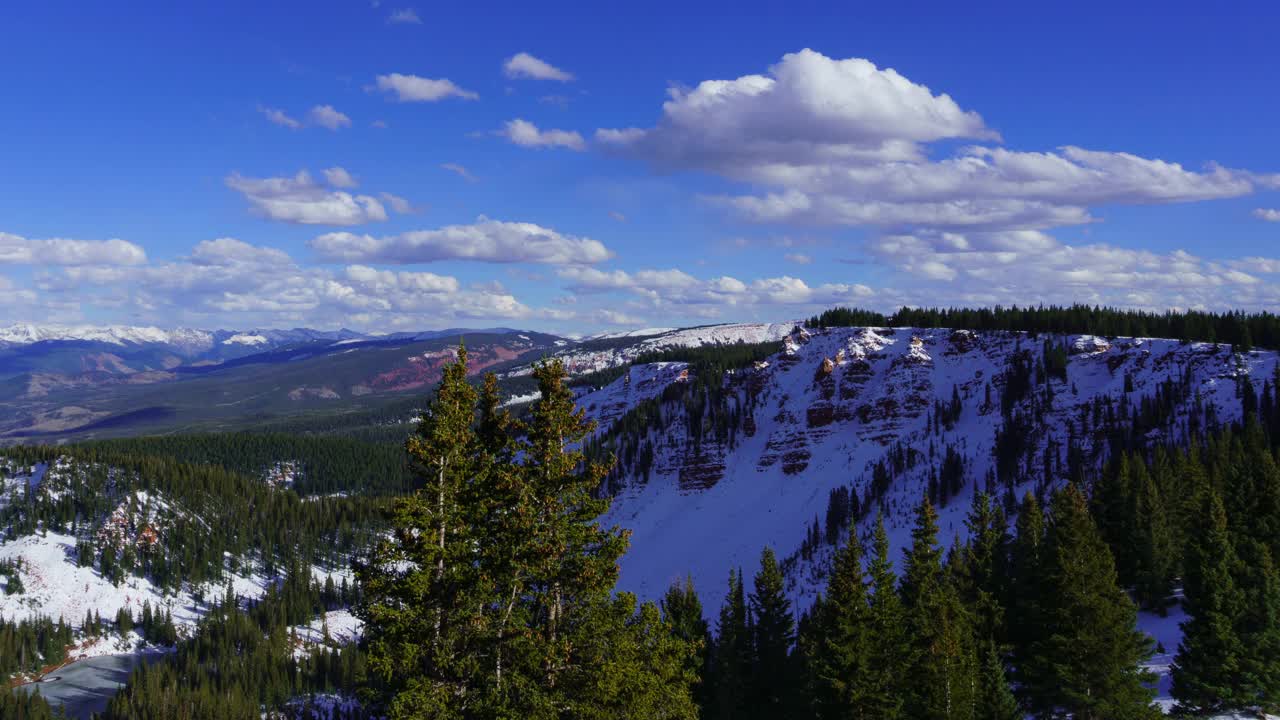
<point x="56" y="587"/>
<point x="1167" y="633"/>
<point x="522" y="399"/>
<point x="579" y="361"/>
<point x="323" y="706"/>
<point x="344" y="629"/>
<point x="812" y="435"/>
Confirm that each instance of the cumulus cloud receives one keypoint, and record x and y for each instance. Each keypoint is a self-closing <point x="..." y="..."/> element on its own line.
<point x="412" y="88"/>
<point x="1267" y="214"/>
<point x="230" y="252"/>
<point x="407" y="16"/>
<point x="228" y="282"/>
<point x="674" y="290"/>
<point x="327" y="117"/>
<point x="279" y="117"/>
<point x="524" y="65"/>
<point x="1018" y="266"/>
<point x="18" y="250"/>
<point x="484" y="241"/>
<point x="526" y="134"/>
<point x="302" y="200"/>
<point x="843" y="142"/>
<point x="339" y="178"/>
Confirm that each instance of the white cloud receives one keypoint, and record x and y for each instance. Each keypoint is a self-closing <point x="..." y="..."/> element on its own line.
<point x="798" y="258"/>
<point x="485" y="241"/>
<point x="327" y="117"/>
<point x="526" y="134"/>
<point x="459" y="170"/>
<point x="339" y="178"/>
<point x="617" y="216"/>
<point x="300" y="199"/>
<point x="279" y="117"/>
<point x="524" y="65"/>
<point x="407" y="16"/>
<point x="379" y="124"/>
<point x="18" y="250"/>
<point x="673" y="290"/>
<point x="843" y="142"/>
<point x="1267" y="214"/>
<point x="397" y="203"/>
<point x="230" y="252"/>
<point x="412" y="88"/>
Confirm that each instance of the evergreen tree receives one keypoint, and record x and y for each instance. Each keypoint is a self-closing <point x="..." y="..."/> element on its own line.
<point x="995" y="698"/>
<point x="943" y="663"/>
<point x="840" y="669"/>
<point x="773" y="632"/>
<point x="682" y="610"/>
<point x="1090" y="649"/>
<point x="1206" y="670"/>
<point x="1025" y="601"/>
<point x="1152" y="543"/>
<point x="732" y="655"/>
<point x="421" y="589"/>
<point x="889" y="651"/>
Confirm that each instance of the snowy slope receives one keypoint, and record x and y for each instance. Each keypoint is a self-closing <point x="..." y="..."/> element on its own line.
<point x="834" y="403"/>
<point x="581" y="360"/>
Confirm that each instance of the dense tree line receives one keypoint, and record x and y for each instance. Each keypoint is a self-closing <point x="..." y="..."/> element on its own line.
<point x="941" y="640"/>
<point x="326" y="464"/>
<point x="242" y="660"/>
<point x="205" y="520"/>
<point x="1243" y="331"/>
<point x="28" y="645"/>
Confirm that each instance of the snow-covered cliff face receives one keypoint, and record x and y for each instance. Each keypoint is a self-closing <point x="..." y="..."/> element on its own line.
<point x="822" y="413"/>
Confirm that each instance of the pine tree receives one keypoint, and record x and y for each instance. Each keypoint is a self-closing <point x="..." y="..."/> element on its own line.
<point x="1025" y="600"/>
<point x="1090" y="649"/>
<point x="682" y="611"/>
<point x="1206" y="670"/>
<point x="995" y="698"/>
<point x="1259" y="632"/>
<point x="773" y="632"/>
<point x="943" y="663"/>
<point x="1152" y="543"/>
<point x="889" y="651"/>
<point x="417" y="618"/>
<point x="732" y="654"/>
<point x="840" y="669"/>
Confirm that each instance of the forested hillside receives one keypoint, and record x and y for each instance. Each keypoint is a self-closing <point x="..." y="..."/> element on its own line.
<point x="988" y="522"/>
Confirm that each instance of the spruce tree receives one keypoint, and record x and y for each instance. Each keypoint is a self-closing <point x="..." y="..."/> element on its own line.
<point x="420" y="586"/>
<point x="889" y="651"/>
<point x="840" y="668"/>
<point x="1025" y="601"/>
<point x="1090" y="649"/>
<point x="682" y="611"/>
<point x="1206" y="670"/>
<point x="773" y="632"/>
<point x="943" y="665"/>
<point x="995" y="698"/>
<point x="732" y="654"/>
<point x="1152" y="543"/>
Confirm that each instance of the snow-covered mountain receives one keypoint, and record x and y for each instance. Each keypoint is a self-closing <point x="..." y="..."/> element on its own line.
<point x="609" y="351"/>
<point x="836" y="403"/>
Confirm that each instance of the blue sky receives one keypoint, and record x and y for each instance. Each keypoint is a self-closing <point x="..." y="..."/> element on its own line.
<point x="395" y="165"/>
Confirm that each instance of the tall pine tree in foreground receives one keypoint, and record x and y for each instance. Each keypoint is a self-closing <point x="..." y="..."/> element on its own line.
<point x="839" y="668"/>
<point x="422" y="587"/>
<point x="731" y="655"/>
<point x="773" y="632"/>
<point x="1206" y="670"/>
<point x="1086" y="662"/>
<point x="494" y="596"/>
<point x="943" y="663"/>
